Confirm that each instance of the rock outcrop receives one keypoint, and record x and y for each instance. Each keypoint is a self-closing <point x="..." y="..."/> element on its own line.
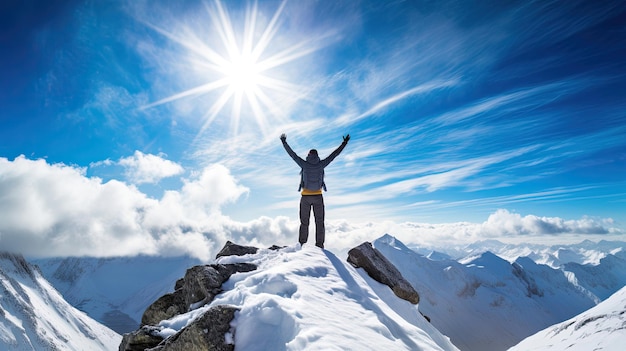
<point x="380" y="269"/>
<point x="232" y="249"/>
<point x="198" y="288"/>
<point x="205" y="333"/>
<point x="142" y="339"/>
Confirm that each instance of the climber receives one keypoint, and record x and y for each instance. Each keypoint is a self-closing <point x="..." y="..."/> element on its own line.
<point x="311" y="186"/>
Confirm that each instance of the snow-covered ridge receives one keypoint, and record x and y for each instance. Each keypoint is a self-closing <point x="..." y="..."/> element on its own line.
<point x="484" y="302"/>
<point x="34" y="316"/>
<point x="114" y="291"/>
<point x="308" y="299"/>
<point x="601" y="328"/>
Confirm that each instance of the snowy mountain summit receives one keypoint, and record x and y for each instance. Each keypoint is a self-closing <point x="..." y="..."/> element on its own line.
<point x="289" y="298"/>
<point x="34" y="316"/>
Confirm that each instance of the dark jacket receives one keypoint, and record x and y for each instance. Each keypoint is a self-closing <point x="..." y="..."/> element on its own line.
<point x="313" y="168"/>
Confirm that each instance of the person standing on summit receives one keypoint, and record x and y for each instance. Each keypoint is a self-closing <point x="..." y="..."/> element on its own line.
<point x="311" y="185"/>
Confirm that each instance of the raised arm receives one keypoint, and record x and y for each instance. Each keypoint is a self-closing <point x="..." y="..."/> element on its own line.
<point x="335" y="153"/>
<point x="291" y="153"/>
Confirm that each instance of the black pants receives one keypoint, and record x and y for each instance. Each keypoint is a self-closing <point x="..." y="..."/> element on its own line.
<point x="317" y="203"/>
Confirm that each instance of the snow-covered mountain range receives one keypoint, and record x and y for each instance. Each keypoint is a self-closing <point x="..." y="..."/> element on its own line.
<point x="485" y="296"/>
<point x="602" y="328"/>
<point x="586" y="252"/>
<point x="484" y="302"/>
<point x="114" y="291"/>
<point x="34" y="316"/>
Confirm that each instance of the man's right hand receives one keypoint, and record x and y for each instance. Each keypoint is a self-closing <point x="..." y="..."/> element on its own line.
<point x="283" y="137"/>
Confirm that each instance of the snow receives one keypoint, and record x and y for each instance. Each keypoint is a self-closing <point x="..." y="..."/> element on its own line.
<point x="34" y="316"/>
<point x="308" y="299"/>
<point x="484" y="302"/>
<point x="6" y="335"/>
<point x="115" y="291"/>
<point x="601" y="280"/>
<point x="603" y="327"/>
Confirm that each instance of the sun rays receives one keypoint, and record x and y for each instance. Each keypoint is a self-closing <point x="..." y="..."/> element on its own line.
<point x="240" y="67"/>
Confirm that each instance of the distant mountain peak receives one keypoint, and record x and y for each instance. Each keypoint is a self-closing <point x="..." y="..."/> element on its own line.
<point x="34" y="316"/>
<point x="392" y="241"/>
<point x="388" y="239"/>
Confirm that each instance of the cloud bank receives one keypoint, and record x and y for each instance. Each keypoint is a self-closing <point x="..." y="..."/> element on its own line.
<point x="56" y="210"/>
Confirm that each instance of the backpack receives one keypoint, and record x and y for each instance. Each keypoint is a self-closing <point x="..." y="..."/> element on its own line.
<point x="312" y="179"/>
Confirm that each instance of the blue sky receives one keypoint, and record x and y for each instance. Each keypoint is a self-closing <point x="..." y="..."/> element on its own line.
<point x="458" y="112"/>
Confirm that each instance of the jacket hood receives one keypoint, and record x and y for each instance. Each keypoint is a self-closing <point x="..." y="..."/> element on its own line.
<point x="313" y="159"/>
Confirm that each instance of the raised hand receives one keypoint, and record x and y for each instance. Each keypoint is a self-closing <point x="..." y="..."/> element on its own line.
<point x="283" y="137"/>
<point x="346" y="138"/>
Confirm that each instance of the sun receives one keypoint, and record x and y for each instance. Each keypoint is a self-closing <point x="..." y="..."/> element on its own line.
<point x="243" y="74"/>
<point x="239" y="66"/>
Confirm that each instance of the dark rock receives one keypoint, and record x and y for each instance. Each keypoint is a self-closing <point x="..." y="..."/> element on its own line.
<point x="202" y="283"/>
<point x="380" y="269"/>
<point x="206" y="333"/>
<point x="144" y="338"/>
<point x="276" y="247"/>
<point x="531" y="286"/>
<point x="199" y="286"/>
<point x="232" y="249"/>
<point x="165" y="307"/>
<point x="179" y="283"/>
<point x="230" y="269"/>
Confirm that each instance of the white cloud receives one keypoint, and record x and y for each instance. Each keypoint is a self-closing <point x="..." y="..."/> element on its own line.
<point x="503" y="222"/>
<point x="501" y="225"/>
<point x="56" y="210"/>
<point x="147" y="168"/>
